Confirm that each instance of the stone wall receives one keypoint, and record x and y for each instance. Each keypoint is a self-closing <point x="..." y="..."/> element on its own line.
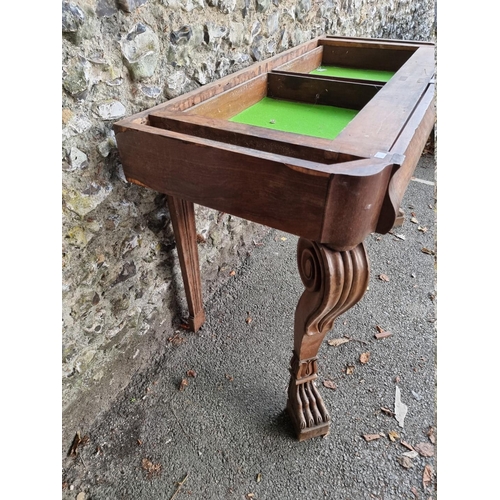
<point x="122" y="290"/>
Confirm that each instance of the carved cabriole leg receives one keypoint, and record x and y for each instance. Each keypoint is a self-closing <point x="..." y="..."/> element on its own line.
<point x="334" y="281"/>
<point x="183" y="222"/>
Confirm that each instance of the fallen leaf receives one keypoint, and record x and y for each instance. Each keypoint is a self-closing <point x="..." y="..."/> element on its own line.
<point x="364" y="357"/>
<point x="400" y="236"/>
<point x="382" y="335"/>
<point x="283" y="238"/>
<point x="423" y="229"/>
<point x="150" y="467"/>
<point x="405" y="462"/>
<point x="176" y="339"/>
<point x="191" y="373"/>
<point x="184" y="383"/>
<point x="410" y="454"/>
<point x="393" y="435"/>
<point x="414" y="491"/>
<point x="387" y="411"/>
<point x="407" y="445"/>
<point x="232" y="273"/>
<point x="248" y="320"/>
<point x="427" y="476"/>
<point x="330" y="384"/>
<point x="349" y="369"/>
<point x="425" y="449"/>
<point x="383" y="277"/>
<point x="414" y="220"/>
<point x="77" y="442"/>
<point x="371" y="437"/>
<point x="139" y="442"/>
<point x="427" y="251"/>
<point x="229" y="377"/>
<point x="337" y="342"/>
<point x="400" y="409"/>
<point x="259" y="477"/>
<point x="431" y="435"/>
<point x="250" y="495"/>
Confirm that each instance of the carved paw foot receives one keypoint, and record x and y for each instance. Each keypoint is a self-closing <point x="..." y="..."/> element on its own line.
<point x="307" y="410"/>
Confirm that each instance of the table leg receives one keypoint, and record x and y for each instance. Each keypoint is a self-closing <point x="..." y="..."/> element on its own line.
<point x="183" y="222"/>
<point x="334" y="281"/>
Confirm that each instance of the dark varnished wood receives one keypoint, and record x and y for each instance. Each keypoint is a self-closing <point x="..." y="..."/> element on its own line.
<point x="330" y="193"/>
<point x="368" y="56"/>
<point x="246" y="136"/>
<point x="184" y="225"/>
<point x="320" y="90"/>
<point x="286" y="193"/>
<point x="334" y="282"/>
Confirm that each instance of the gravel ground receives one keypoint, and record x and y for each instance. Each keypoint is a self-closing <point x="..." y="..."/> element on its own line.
<point x="226" y="434"/>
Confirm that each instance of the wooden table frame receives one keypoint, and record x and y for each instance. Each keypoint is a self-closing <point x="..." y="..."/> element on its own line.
<point x="331" y="193"/>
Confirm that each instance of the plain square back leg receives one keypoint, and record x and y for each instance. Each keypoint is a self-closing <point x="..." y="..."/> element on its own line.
<point x="183" y="222"/>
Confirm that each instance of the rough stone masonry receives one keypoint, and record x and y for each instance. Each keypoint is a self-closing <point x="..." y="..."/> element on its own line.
<point x="122" y="290"/>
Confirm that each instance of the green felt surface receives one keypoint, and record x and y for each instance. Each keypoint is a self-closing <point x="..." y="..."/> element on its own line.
<point x="300" y="118"/>
<point x="359" y="74"/>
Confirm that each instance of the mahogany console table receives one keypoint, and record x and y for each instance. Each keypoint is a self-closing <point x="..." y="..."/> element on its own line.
<point x="319" y="141"/>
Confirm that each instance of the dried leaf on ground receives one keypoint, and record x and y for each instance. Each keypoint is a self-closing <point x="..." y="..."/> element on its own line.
<point x="371" y="437"/>
<point x="410" y="454"/>
<point x="364" y="357"/>
<point x="422" y="229"/>
<point x="176" y="339"/>
<point x="425" y="449"/>
<point x="229" y="377"/>
<point x="191" y="373"/>
<point x="400" y="409"/>
<point x="387" y="411"/>
<point x="405" y="462"/>
<point x="349" y="370"/>
<point x="400" y="236"/>
<point x="407" y="445"/>
<point x="248" y="320"/>
<point x="77" y="442"/>
<point x="150" y="467"/>
<point x="414" y="491"/>
<point x="330" y="384"/>
<point x="382" y="335"/>
<point x="232" y="273"/>
<point x="383" y="277"/>
<point x="431" y="435"/>
<point x="258" y="477"/>
<point x="393" y="435"/>
<point x="427" y="476"/>
<point x="283" y="238"/>
<point x="414" y="220"/>
<point x="184" y="383"/>
<point x="337" y="342"/>
<point x="427" y="251"/>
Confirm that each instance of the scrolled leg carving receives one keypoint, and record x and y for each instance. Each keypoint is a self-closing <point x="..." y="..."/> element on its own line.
<point x="334" y="282"/>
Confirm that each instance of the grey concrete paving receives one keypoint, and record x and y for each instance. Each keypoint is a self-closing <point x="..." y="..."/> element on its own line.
<point x="227" y="431"/>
